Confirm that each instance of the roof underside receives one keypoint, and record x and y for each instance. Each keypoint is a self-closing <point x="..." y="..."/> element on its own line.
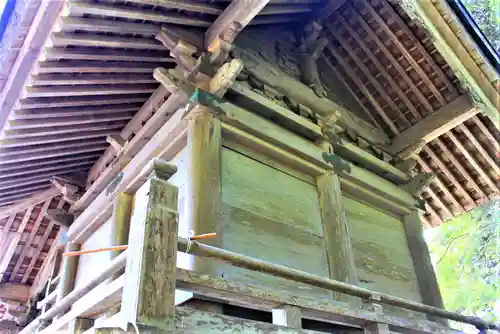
<point x="391" y="65"/>
<point x="95" y="75"/>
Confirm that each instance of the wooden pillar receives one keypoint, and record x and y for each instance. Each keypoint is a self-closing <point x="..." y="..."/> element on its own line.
<point x="149" y="290"/>
<point x="68" y="272"/>
<point x="122" y="210"/>
<point x="337" y="239"/>
<point x="203" y="185"/>
<point x="289" y="316"/>
<point x="427" y="281"/>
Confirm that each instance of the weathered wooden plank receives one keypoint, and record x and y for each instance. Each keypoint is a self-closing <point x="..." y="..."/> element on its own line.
<point x="69" y="24"/>
<point x="70" y="120"/>
<point x="88" y="79"/>
<point x="82" y="66"/>
<point x="270" y="215"/>
<point x="148" y="296"/>
<point x="35" y="113"/>
<point x="427" y="281"/>
<point x="436" y="124"/>
<point x="381" y="265"/>
<point x="78" y="101"/>
<point x="204" y="176"/>
<point x="85" y="90"/>
<point x="82" y="53"/>
<point x="336" y="232"/>
<point x="263" y="298"/>
<point x="199" y="322"/>
<point x="377" y="329"/>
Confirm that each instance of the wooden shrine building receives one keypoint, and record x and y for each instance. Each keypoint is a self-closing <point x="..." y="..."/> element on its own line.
<point x="268" y="166"/>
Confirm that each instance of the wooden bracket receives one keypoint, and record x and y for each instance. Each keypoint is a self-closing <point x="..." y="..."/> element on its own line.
<point x="418" y="183"/>
<point x="310" y="50"/>
<point x="60" y="217"/>
<point x="116" y="141"/>
<point x="339" y="164"/>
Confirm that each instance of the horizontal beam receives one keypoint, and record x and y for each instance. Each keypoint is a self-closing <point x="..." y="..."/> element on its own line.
<point x="62" y="39"/>
<point x="436" y="124"/>
<point x="79" y="66"/>
<point x="55" y="130"/>
<point x="80" y="9"/>
<point x="7" y="152"/>
<point x="65" y="121"/>
<point x="55" y="152"/>
<point x="36" y="113"/>
<point x="82" y="53"/>
<point x="53" y="169"/>
<point x="69" y="24"/>
<point x="284" y="9"/>
<point x="78" y="101"/>
<point x="16" y="292"/>
<point x="187" y="5"/>
<point x="89" y="79"/>
<point x="88" y="90"/>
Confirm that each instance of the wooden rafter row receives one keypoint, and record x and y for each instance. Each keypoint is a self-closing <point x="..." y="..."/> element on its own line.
<point x="362" y="24"/>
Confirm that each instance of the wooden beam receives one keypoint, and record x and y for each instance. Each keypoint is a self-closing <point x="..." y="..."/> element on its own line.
<point x="86" y="90"/>
<point x="234" y="18"/>
<point x="62" y="39"/>
<point x="60" y="217"/>
<point x="426" y="277"/>
<point x="69" y="24"/>
<point x="133" y="126"/>
<point x="377" y="329"/>
<point x="15" y="292"/>
<point x="149" y="291"/>
<point x="78" y="101"/>
<point x="88" y="79"/>
<point x="68" y="272"/>
<point x="436" y="124"/>
<point x="82" y="53"/>
<point x="116" y="141"/>
<point x="23" y="142"/>
<point x="80" y="9"/>
<point x="65" y="121"/>
<point x="30" y="202"/>
<point x="337" y="238"/>
<point x="185" y="5"/>
<point x="40" y="27"/>
<point x="122" y="213"/>
<point x="82" y="66"/>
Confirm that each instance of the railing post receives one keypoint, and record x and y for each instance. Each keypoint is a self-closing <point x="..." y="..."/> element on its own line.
<point x="149" y="289"/>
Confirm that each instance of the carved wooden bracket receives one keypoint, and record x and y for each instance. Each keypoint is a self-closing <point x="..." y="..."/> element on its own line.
<point x="310" y="49"/>
<point x="418" y="183"/>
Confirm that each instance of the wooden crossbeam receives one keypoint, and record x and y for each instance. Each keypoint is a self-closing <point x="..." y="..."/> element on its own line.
<point x="436" y="124"/>
<point x="95" y="111"/>
<point x="86" y="53"/>
<point x="77" y="66"/>
<point x="102" y="25"/>
<point x="78" y="101"/>
<point x="61" y="39"/>
<point x="86" y="90"/>
<point x="71" y="120"/>
<point x="89" y="79"/>
<point x="58" y="130"/>
<point x="46" y="165"/>
<point x="234" y="18"/>
<point x="54" y="151"/>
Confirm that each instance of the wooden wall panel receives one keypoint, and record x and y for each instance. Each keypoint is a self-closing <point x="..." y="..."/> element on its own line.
<point x="272" y="216"/>
<point x="381" y="253"/>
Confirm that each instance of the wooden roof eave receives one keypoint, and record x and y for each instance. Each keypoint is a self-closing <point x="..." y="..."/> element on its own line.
<point x="461" y="53"/>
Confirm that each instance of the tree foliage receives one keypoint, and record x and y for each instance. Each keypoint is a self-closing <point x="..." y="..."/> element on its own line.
<point x="466" y="256"/>
<point x="486" y="14"/>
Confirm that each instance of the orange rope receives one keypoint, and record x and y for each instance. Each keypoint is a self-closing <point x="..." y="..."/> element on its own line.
<point x="123" y="247"/>
<point x="97" y="250"/>
<point x="203" y="236"/>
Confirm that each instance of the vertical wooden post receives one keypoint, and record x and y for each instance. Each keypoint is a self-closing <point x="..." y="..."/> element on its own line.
<point x="203" y="185"/>
<point x="337" y="239"/>
<point x="289" y="316"/>
<point x="149" y="291"/>
<point x="427" y="281"/>
<point x="122" y="210"/>
<point x="68" y="272"/>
